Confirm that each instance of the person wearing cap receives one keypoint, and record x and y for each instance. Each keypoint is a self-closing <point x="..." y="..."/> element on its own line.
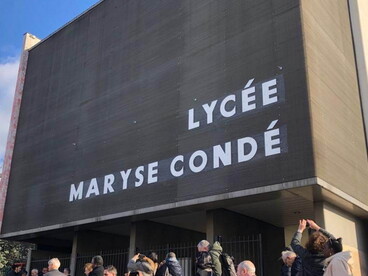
<point x="338" y="262"/>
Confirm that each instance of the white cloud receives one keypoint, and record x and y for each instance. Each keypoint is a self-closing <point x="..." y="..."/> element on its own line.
<point x="8" y="78"/>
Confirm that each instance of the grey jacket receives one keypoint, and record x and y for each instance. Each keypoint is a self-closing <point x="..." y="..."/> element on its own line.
<point x="54" y="272"/>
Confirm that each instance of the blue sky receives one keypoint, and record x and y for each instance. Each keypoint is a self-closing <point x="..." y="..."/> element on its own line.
<point x="38" y="17"/>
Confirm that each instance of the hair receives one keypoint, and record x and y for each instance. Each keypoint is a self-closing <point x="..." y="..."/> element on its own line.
<point x="287" y="253"/>
<point x="89" y="266"/>
<point x="14" y="266"/>
<point x="171" y="255"/>
<point x="55" y="263"/>
<point x="316" y="242"/>
<point x="67" y="269"/>
<point x="153" y="256"/>
<point x="35" y="269"/>
<point x="24" y="272"/>
<point x="203" y="243"/>
<point x="97" y="260"/>
<point x="249" y="266"/>
<point x="112" y="269"/>
<point x="335" y="244"/>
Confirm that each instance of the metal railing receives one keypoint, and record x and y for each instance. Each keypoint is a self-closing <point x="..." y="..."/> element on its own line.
<point x="117" y="258"/>
<point x="241" y="248"/>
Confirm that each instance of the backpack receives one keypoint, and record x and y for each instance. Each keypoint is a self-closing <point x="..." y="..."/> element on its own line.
<point x="227" y="265"/>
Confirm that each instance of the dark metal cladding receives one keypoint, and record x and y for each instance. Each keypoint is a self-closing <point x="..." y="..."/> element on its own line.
<point x="112" y="90"/>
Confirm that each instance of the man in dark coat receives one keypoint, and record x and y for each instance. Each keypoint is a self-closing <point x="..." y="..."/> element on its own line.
<point x="170" y="266"/>
<point x="98" y="269"/>
<point x="292" y="264"/>
<point x="54" y="265"/>
<point x="15" y="270"/>
<point x="204" y="263"/>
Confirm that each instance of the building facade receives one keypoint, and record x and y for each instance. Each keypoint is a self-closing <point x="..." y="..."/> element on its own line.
<point x="144" y="124"/>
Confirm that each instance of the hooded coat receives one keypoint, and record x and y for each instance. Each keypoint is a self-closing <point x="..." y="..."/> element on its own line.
<point x="215" y="252"/>
<point x="339" y="264"/>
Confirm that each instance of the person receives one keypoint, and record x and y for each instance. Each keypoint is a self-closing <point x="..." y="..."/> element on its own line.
<point x="44" y="270"/>
<point x="204" y="264"/>
<point x="97" y="264"/>
<point x="66" y="271"/>
<point x="24" y="273"/>
<point x="53" y="268"/>
<point x="34" y="272"/>
<point x="311" y="256"/>
<point x="338" y="262"/>
<point x="292" y="264"/>
<point x="141" y="264"/>
<point x="169" y="266"/>
<point x="15" y="270"/>
<point x="88" y="267"/>
<point x="246" y="268"/>
<point x="215" y="252"/>
<point x="110" y="271"/>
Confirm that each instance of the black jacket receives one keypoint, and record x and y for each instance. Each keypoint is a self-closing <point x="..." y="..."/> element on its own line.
<point x="312" y="263"/>
<point x="204" y="260"/>
<point x="296" y="268"/>
<point x="172" y="266"/>
<point x="13" y="273"/>
<point x="97" y="271"/>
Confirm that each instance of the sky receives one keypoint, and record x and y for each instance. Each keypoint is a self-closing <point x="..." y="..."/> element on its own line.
<point x="17" y="17"/>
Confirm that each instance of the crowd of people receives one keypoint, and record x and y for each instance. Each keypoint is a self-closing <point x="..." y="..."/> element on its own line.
<point x="322" y="255"/>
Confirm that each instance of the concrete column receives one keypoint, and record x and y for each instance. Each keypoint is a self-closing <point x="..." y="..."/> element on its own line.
<point x="133" y="238"/>
<point x="29" y="260"/>
<point x="73" y="256"/>
<point x="353" y="233"/>
<point x="210" y="235"/>
<point x="319" y="216"/>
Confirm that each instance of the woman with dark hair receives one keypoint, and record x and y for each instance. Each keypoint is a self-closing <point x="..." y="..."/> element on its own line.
<point x="312" y="255"/>
<point x="338" y="263"/>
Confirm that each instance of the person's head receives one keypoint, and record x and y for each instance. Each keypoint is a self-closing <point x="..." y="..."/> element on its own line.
<point x="66" y="271"/>
<point x="246" y="268"/>
<point x="24" y="272"/>
<point x="54" y="263"/>
<point x="316" y="243"/>
<point x="97" y="261"/>
<point x="110" y="271"/>
<point x="45" y="270"/>
<point x="332" y="246"/>
<point x="288" y="257"/>
<point x="171" y="256"/>
<point x="34" y="272"/>
<point x="153" y="256"/>
<point x="88" y="267"/>
<point x="203" y="246"/>
<point x="17" y="268"/>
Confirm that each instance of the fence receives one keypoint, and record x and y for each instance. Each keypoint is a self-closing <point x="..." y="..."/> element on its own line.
<point x="41" y="263"/>
<point x="118" y="258"/>
<point x="241" y="248"/>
